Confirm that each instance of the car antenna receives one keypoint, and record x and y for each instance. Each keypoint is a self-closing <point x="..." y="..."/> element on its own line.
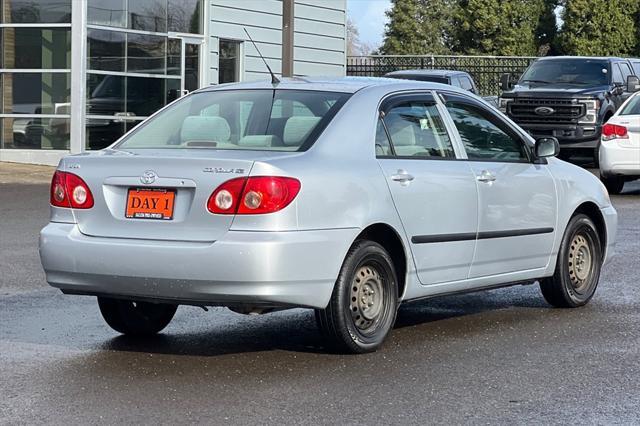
<point x="274" y="79"/>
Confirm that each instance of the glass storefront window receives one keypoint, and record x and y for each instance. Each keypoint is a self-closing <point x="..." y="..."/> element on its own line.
<point x="106" y="50"/>
<point x="148" y="15"/>
<point x="105" y="94"/>
<point x="36" y="11"/>
<point x="145" y="95"/>
<point x="185" y="16"/>
<point x="112" y="13"/>
<point x="146" y="53"/>
<point x="174" y="58"/>
<point x="34" y="133"/>
<point x="101" y="133"/>
<point x="36" y="48"/>
<point x="129" y="96"/>
<point x="35" y="93"/>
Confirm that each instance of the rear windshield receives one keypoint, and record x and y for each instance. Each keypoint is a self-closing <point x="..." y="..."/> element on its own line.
<point x="266" y="120"/>
<point x="633" y="107"/>
<point x="587" y="72"/>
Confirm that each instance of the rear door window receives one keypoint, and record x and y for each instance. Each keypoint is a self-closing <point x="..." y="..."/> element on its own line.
<point x="416" y="130"/>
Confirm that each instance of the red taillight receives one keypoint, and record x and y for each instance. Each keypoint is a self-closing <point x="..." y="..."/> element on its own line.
<point x="614" y="131"/>
<point x="70" y="191"/>
<point x="253" y="195"/>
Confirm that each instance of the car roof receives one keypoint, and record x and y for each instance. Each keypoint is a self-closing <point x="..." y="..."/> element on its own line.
<point x="338" y="84"/>
<point x="430" y="73"/>
<point x="596" y="58"/>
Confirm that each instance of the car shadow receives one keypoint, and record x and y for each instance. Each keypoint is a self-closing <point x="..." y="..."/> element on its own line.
<point x="296" y="330"/>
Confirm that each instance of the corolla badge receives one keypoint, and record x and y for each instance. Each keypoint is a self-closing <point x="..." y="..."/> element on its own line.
<point x="148" y="177"/>
<point x="543" y="110"/>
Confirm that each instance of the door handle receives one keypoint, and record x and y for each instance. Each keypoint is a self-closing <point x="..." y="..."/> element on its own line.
<point x="486" y="176"/>
<point x="402" y="176"/>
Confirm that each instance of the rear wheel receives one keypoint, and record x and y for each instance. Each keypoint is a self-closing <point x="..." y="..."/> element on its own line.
<point x="363" y="306"/>
<point x="596" y="157"/>
<point x="614" y="184"/>
<point x="136" y="318"/>
<point x="578" y="266"/>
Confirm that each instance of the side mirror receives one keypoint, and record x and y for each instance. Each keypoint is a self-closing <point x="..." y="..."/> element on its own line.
<point x="633" y="84"/>
<point x="505" y="82"/>
<point x="546" y="147"/>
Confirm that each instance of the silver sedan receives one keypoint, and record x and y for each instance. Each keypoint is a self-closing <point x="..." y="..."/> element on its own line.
<point x="346" y="196"/>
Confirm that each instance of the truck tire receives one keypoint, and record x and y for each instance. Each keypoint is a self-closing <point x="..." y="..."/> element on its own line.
<point x="364" y="303"/>
<point x="614" y="184"/>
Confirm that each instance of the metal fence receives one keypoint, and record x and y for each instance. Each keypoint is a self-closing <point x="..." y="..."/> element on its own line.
<point x="485" y="70"/>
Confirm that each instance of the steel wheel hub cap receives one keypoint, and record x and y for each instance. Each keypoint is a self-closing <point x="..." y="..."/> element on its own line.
<point x="366" y="297"/>
<point x="579" y="262"/>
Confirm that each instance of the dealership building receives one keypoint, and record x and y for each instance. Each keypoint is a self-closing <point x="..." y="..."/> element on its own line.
<point x="77" y="74"/>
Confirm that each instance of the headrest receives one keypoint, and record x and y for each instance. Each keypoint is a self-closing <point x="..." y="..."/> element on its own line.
<point x="403" y="136"/>
<point x="205" y="128"/>
<point x="402" y="133"/>
<point x="297" y="129"/>
<point x="257" y="140"/>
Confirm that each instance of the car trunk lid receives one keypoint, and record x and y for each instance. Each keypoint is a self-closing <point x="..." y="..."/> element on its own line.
<point x="191" y="175"/>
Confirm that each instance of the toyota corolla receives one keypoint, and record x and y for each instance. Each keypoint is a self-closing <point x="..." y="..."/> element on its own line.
<point x="345" y="196"/>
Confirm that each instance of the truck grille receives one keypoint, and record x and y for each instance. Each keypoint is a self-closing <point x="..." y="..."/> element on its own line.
<point x="564" y="111"/>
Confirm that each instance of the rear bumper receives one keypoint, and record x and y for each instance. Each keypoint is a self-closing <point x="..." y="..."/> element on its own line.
<point x="259" y="268"/>
<point x="619" y="160"/>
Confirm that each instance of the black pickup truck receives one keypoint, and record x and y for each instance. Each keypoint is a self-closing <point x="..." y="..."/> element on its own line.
<point x="569" y="98"/>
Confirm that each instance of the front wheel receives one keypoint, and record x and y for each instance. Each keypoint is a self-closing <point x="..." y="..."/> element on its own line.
<point x="136" y="318"/>
<point x="578" y="266"/>
<point x="363" y="306"/>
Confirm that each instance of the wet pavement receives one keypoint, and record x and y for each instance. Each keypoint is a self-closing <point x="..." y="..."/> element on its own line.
<point x="502" y="356"/>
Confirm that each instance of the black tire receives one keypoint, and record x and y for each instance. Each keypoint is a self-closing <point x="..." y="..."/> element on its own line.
<point x="578" y="266"/>
<point x="136" y="318"/>
<point x="596" y="157"/>
<point x="357" y="320"/>
<point x="614" y="184"/>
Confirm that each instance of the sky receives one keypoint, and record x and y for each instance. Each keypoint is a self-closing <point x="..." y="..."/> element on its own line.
<point x="369" y="17"/>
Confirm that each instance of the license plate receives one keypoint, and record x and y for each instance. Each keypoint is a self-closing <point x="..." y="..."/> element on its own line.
<point x="150" y="204"/>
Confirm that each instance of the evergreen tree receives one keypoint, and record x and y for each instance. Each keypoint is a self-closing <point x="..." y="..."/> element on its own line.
<point x="600" y="28"/>
<point x="416" y="27"/>
<point x="547" y="31"/>
<point x="501" y="27"/>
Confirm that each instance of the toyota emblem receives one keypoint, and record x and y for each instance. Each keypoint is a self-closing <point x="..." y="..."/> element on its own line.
<point x="148" y="177"/>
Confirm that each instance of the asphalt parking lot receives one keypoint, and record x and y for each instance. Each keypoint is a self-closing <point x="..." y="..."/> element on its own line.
<point x="502" y="356"/>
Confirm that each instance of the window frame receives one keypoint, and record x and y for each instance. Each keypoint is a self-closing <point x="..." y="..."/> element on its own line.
<point x="501" y="124"/>
<point x="616" y="66"/>
<point x="395" y="99"/>
<point x="629" y="72"/>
